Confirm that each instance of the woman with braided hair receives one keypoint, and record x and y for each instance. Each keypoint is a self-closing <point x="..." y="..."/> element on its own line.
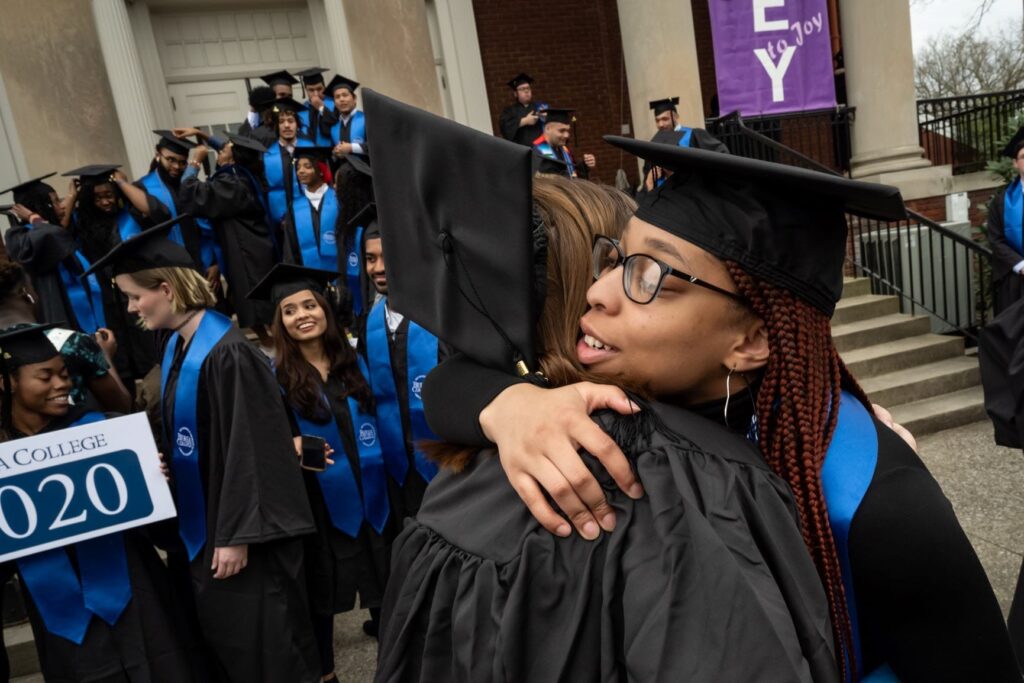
<point x="720" y="294"/>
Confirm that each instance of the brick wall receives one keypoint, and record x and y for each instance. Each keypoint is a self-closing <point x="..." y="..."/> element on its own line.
<point x="935" y="207"/>
<point x="575" y="55"/>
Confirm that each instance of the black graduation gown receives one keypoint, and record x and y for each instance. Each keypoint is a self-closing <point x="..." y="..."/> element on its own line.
<point x="337" y="565"/>
<point x="257" y="622"/>
<point x="704" y="579"/>
<point x="260" y="133"/>
<point x="150" y="643"/>
<point x="510" y="128"/>
<point x="1007" y="286"/>
<point x="40" y="250"/>
<point x="240" y="225"/>
<point x="925" y="605"/>
<point x="158" y="213"/>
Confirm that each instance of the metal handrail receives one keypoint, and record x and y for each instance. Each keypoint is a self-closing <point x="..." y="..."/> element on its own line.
<point x="951" y="98"/>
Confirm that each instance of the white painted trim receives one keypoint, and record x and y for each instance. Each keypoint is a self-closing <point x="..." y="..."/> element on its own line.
<point x="9" y="141"/>
<point x="149" y="57"/>
<point x="464" y="66"/>
<point x="337" y="32"/>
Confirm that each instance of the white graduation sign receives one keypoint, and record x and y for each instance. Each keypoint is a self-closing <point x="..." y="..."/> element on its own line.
<point x="62" y="487"/>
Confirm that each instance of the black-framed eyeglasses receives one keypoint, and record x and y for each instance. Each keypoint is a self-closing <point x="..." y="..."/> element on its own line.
<point x="174" y="161"/>
<point x="643" y="275"/>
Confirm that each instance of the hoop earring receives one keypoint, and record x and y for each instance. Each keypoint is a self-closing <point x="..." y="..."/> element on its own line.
<point x="728" y="395"/>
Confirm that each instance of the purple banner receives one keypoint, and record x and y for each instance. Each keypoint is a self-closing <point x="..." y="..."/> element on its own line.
<point x="772" y="56"/>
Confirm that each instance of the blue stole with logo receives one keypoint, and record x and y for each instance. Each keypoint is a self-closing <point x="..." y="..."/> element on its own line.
<point x="183" y="423"/>
<point x="1013" y="204"/>
<point x="282" y="189"/>
<point x="550" y="152"/>
<point x="845" y="477"/>
<point x="687" y="134"/>
<point x="209" y="250"/>
<point x="314" y="254"/>
<point x="356" y="129"/>
<point x="67" y="601"/>
<point x="338" y="483"/>
<point x="421" y="354"/>
<point x="86" y="299"/>
<point x="353" y="267"/>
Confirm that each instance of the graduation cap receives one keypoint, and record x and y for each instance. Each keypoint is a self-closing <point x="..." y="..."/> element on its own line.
<point x="247" y="142"/>
<point x="285" y="279"/>
<point x="668" y="137"/>
<point x="358" y="163"/>
<point x="288" y="104"/>
<point x="781" y="223"/>
<point x="457" y="236"/>
<point x="26" y="344"/>
<point x="312" y="75"/>
<point x="279" y="78"/>
<point x="174" y="144"/>
<point x="313" y="153"/>
<point x="366" y="218"/>
<point x="30" y="187"/>
<point x="149" y="249"/>
<point x="1011" y="147"/>
<point x="556" y="115"/>
<point x="340" y="81"/>
<point x="94" y="174"/>
<point x="662" y="106"/>
<point x="519" y="79"/>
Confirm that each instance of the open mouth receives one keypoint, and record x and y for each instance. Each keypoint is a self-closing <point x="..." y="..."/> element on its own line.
<point x="590" y="349"/>
<point x="58" y="400"/>
<point x="306" y="327"/>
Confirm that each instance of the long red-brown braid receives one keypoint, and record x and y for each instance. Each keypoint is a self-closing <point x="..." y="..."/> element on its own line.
<point x="797" y="408"/>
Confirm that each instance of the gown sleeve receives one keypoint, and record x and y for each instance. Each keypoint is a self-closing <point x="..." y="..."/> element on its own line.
<point x="219" y="197"/>
<point x="926" y="607"/>
<point x="509" y="123"/>
<point x="261" y="497"/>
<point x="455" y="393"/>
<point x="40" y="248"/>
<point x="1006" y="257"/>
<point x="158" y="212"/>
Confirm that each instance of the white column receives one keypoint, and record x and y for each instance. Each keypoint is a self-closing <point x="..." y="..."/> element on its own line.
<point x="337" y="29"/>
<point x="660" y="50"/>
<point x="463" y="64"/>
<point x="879" y="61"/>
<point x="124" y="71"/>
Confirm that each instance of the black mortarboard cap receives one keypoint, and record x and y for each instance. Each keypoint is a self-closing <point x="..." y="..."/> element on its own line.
<point x="457" y="235"/>
<point x="340" y="81"/>
<point x="366" y="218"/>
<point x="28" y="185"/>
<point x="358" y="163"/>
<point x="279" y="78"/>
<point x="667" y="104"/>
<point x="93" y="173"/>
<point x="26" y="344"/>
<point x="288" y="104"/>
<point x="149" y="249"/>
<point x="668" y="137"/>
<point x="556" y="115"/>
<point x="313" y="74"/>
<point x="314" y="153"/>
<point x="519" y="79"/>
<point x="261" y="97"/>
<point x="1011" y="146"/>
<point x="285" y="279"/>
<point x="783" y="224"/>
<point x="175" y="144"/>
<point x="545" y="164"/>
<point x="247" y="142"/>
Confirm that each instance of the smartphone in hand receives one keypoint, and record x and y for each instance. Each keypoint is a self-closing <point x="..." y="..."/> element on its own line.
<point x="314" y="457"/>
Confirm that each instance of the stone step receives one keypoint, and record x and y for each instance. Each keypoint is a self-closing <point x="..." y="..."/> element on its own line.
<point x="21" y="650"/>
<point x="900" y="354"/>
<point x="884" y="328"/>
<point x="941" y="412"/>
<point x="863" y="307"/>
<point x="923" y="381"/>
<point x="856" y="286"/>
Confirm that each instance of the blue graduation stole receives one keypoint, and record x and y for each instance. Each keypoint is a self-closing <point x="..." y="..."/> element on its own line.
<point x="547" y="150"/>
<point x="687" y="134"/>
<point x="1013" y="204"/>
<point x="356" y="129"/>
<point x="126" y="225"/>
<point x="85" y="298"/>
<point x="209" y="250"/>
<point x="184" y="430"/>
<point x="314" y="254"/>
<point x="282" y="190"/>
<point x="353" y="267"/>
<point x="338" y="483"/>
<point x="421" y="354"/>
<point x="311" y="132"/>
<point x="845" y="477"/>
<point x="67" y="601"/>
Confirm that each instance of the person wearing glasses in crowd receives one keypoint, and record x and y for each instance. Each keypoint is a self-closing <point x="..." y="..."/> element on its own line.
<point x="520" y="121"/>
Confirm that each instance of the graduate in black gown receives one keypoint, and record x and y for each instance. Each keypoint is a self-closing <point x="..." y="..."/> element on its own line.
<point x="232" y="200"/>
<point x="323" y="384"/>
<point x="283" y="188"/>
<point x="353" y="184"/>
<point x="706" y="580"/>
<point x="908" y="597"/>
<point x="99" y="218"/>
<point x="343" y="125"/>
<point x="1004" y="230"/>
<point x="140" y="635"/>
<point x="310" y="231"/>
<point x="319" y="103"/>
<point x="49" y="253"/>
<point x="520" y="121"/>
<point x="259" y="122"/>
<point x="242" y="508"/>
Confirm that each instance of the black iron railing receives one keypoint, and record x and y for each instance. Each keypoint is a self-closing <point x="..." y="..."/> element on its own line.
<point x="932" y="268"/>
<point x="964" y="132"/>
<point x="822" y="135"/>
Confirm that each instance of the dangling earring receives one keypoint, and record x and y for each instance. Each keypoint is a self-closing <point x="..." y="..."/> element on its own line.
<point x="28" y="297"/>
<point x="728" y="395"/>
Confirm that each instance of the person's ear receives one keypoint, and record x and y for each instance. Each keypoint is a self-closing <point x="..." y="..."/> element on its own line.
<point x="750" y="351"/>
<point x="165" y="288"/>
